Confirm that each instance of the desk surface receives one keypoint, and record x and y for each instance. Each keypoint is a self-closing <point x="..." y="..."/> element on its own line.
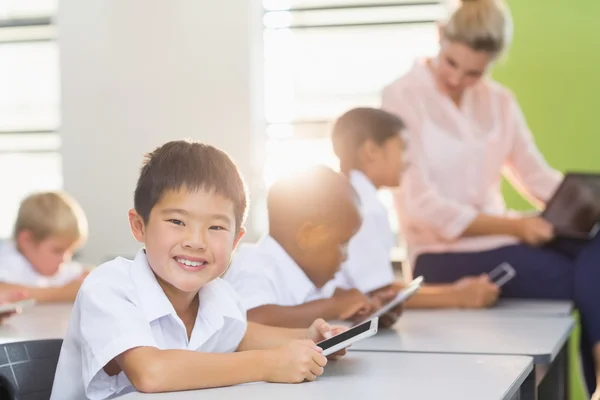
<point x="42" y="321"/>
<point x="473" y="333"/>
<point x="366" y="375"/>
<point x="550" y="308"/>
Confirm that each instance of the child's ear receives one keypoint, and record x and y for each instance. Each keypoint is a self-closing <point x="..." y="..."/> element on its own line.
<point x="371" y="151"/>
<point x="25" y="239"/>
<point x="136" y="223"/>
<point x="311" y="235"/>
<point x="239" y="237"/>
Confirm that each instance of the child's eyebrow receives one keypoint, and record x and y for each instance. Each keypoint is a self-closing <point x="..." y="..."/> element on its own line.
<point x="222" y="217"/>
<point x="175" y="211"/>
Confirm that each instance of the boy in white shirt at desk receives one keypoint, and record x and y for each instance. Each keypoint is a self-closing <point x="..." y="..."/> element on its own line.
<point x="166" y="321"/>
<point x="50" y="227"/>
<point x="370" y="147"/>
<point x="283" y="280"/>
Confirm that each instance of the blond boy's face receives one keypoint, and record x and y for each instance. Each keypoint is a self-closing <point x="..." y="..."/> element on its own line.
<point x="46" y="255"/>
<point x="189" y="238"/>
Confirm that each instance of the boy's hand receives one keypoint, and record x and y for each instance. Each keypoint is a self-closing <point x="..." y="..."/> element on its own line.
<point x="382" y="297"/>
<point x="321" y="330"/>
<point x="351" y="304"/>
<point x="476" y="292"/>
<point x="388" y="319"/>
<point x="11" y="297"/>
<point x="294" y="362"/>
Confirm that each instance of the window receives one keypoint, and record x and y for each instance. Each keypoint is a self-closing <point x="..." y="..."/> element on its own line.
<point x="323" y="57"/>
<point x="29" y="104"/>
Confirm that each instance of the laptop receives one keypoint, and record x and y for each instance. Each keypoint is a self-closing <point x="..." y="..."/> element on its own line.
<point x="574" y="209"/>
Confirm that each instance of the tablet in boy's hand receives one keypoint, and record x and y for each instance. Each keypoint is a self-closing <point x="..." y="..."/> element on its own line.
<point x="16" y="306"/>
<point x="346" y="338"/>
<point x="403" y="295"/>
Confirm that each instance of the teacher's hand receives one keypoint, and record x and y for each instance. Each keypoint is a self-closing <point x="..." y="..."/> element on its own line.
<point x="534" y="231"/>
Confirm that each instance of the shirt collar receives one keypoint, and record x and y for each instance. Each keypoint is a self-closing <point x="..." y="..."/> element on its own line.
<point x="153" y="299"/>
<point x="301" y="285"/>
<point x="214" y="301"/>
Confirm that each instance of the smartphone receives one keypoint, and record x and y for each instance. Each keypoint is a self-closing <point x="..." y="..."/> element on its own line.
<point x="16" y="306"/>
<point x="346" y="338"/>
<point x="502" y="274"/>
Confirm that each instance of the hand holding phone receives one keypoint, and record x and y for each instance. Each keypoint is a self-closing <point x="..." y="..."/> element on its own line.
<point x="475" y="292"/>
<point x="17" y="306"/>
<point x="502" y="274"/>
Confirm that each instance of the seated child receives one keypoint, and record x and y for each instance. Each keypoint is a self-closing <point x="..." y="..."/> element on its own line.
<point x="50" y="227"/>
<point x="165" y="321"/>
<point x="369" y="145"/>
<point x="282" y="280"/>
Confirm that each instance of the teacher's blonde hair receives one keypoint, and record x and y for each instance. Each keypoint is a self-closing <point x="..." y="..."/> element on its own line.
<point x="483" y="25"/>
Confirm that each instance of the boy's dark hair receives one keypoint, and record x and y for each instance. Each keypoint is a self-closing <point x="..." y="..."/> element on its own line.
<point x="193" y="165"/>
<point x="358" y="125"/>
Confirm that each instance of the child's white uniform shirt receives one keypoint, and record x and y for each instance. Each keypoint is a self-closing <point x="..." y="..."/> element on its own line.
<point x="121" y="306"/>
<point x="264" y="273"/>
<point x="369" y="265"/>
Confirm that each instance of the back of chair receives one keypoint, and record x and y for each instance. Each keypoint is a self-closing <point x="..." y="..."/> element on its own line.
<point x="27" y="369"/>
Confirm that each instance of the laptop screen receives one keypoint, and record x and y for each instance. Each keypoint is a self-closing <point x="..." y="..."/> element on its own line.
<point x="575" y="206"/>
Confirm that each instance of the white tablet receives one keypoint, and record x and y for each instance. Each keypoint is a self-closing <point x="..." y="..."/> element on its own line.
<point x="405" y="294"/>
<point x="346" y="338"/>
<point x="16" y="306"/>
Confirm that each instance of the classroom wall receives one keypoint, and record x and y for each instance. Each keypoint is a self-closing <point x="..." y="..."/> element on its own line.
<point x="552" y="67"/>
<point x="138" y="73"/>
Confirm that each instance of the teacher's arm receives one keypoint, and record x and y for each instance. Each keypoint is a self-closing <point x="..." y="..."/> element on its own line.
<point x="527" y="169"/>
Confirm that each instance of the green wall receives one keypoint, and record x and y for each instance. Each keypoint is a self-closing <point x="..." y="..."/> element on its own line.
<point x="553" y="67"/>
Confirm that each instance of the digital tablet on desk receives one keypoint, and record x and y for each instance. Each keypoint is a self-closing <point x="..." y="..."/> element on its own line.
<point x="346" y="338"/>
<point x="403" y="295"/>
<point x="574" y="209"/>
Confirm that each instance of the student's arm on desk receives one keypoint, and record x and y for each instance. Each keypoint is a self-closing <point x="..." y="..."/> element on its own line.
<point x="152" y="370"/>
<point x="343" y="305"/>
<point x="64" y="293"/>
<point x="264" y="337"/>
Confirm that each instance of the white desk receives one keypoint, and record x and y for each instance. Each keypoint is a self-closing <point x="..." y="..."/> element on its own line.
<point x="526" y="307"/>
<point x="43" y="321"/>
<point x="461" y="332"/>
<point x="381" y="376"/>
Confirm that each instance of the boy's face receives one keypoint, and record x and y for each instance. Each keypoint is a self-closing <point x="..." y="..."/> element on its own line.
<point x="325" y="246"/>
<point x="46" y="255"/>
<point x="387" y="162"/>
<point x="188" y="238"/>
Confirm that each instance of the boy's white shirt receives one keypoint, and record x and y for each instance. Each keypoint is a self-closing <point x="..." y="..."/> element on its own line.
<point x="369" y="265"/>
<point x="121" y="306"/>
<point x="264" y="273"/>
<point x="17" y="270"/>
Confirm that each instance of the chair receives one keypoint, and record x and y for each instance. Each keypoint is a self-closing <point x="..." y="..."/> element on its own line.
<point x="27" y="369"/>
